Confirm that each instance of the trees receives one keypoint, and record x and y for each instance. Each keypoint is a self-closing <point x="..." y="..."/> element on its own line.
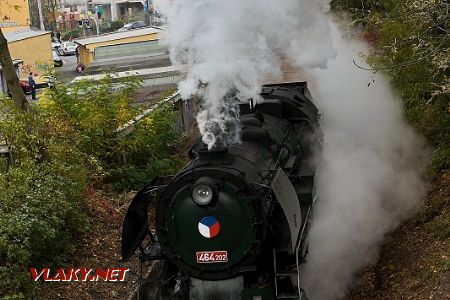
<point x="51" y="7"/>
<point x="49" y="13"/>
<point x="411" y="41"/>
<point x="42" y="181"/>
<point x="12" y="81"/>
<point x="97" y="109"/>
<point x="55" y="151"/>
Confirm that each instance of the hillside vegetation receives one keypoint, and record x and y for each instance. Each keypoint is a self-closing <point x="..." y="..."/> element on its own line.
<point x="410" y="42"/>
<point x="60" y="154"/>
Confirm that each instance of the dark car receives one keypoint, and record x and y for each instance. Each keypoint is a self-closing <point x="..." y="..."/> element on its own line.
<point x="132" y="25"/>
<point x="57" y="61"/>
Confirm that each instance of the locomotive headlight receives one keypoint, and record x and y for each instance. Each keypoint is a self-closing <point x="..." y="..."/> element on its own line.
<point x="202" y="194"/>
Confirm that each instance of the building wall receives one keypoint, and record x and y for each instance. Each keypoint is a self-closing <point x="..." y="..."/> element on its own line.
<point x="3" y="87"/>
<point x="106" y="11"/>
<point x="33" y="51"/>
<point x="86" y="57"/>
<point x="9" y="16"/>
<point x="87" y="52"/>
<point x="129" y="9"/>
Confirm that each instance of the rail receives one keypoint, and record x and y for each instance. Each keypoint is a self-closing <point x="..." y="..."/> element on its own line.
<point x="130" y="126"/>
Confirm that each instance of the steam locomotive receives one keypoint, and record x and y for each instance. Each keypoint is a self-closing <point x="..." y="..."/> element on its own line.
<point x="233" y="223"/>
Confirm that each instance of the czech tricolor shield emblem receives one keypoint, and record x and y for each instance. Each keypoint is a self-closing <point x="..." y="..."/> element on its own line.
<point x="209" y="227"/>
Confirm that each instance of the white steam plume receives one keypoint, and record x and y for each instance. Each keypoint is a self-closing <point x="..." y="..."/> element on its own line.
<point x="369" y="180"/>
<point x="370" y="168"/>
<point x="236" y="46"/>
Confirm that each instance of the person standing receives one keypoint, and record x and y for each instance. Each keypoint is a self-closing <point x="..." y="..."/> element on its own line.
<point x="32" y="85"/>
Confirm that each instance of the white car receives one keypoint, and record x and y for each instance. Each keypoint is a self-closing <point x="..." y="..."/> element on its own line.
<point x="132" y="25"/>
<point x="67" y="48"/>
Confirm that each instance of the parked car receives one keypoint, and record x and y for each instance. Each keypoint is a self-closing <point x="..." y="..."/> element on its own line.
<point x="67" y="48"/>
<point x="57" y="60"/>
<point x="48" y="81"/>
<point x="132" y="25"/>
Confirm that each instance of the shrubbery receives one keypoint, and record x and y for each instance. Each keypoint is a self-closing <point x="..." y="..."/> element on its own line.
<point x="111" y="26"/>
<point x="139" y="16"/>
<point x="71" y="34"/>
<point x="412" y="40"/>
<point x="151" y="151"/>
<point x="54" y="151"/>
<point x="97" y="110"/>
<point x="42" y="181"/>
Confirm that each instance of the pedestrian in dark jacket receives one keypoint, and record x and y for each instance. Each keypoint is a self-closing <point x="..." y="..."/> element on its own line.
<point x="32" y="85"/>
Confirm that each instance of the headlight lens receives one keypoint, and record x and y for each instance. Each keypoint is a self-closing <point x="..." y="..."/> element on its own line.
<point x="202" y="194"/>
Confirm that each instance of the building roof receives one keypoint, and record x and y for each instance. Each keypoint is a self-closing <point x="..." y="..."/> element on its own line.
<point x="117" y="36"/>
<point x="23" y="34"/>
<point x="128" y="1"/>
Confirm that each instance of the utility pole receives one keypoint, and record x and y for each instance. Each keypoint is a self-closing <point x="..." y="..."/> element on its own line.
<point x="150" y="9"/>
<point x="97" y="27"/>
<point x="41" y="18"/>
<point x="147" y="12"/>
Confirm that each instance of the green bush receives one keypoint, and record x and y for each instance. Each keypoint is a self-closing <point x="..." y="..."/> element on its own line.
<point x="54" y="150"/>
<point x="111" y="26"/>
<point x="42" y="179"/>
<point x="153" y="152"/>
<point x="71" y="34"/>
<point x="139" y="16"/>
<point x="97" y="109"/>
<point x="412" y="48"/>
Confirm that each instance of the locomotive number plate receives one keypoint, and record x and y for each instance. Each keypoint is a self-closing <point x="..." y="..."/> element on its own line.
<point x="209" y="257"/>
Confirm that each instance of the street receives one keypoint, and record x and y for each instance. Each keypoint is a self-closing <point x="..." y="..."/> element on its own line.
<point x="67" y="72"/>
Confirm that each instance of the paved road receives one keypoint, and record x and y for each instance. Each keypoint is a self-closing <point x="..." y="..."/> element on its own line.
<point x="155" y="71"/>
<point x="67" y="72"/>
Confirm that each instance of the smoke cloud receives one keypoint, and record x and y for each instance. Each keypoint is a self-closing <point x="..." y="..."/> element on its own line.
<point x="236" y="46"/>
<point x="369" y="179"/>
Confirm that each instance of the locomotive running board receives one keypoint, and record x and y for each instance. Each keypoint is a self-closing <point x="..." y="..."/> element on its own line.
<point x="135" y="226"/>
